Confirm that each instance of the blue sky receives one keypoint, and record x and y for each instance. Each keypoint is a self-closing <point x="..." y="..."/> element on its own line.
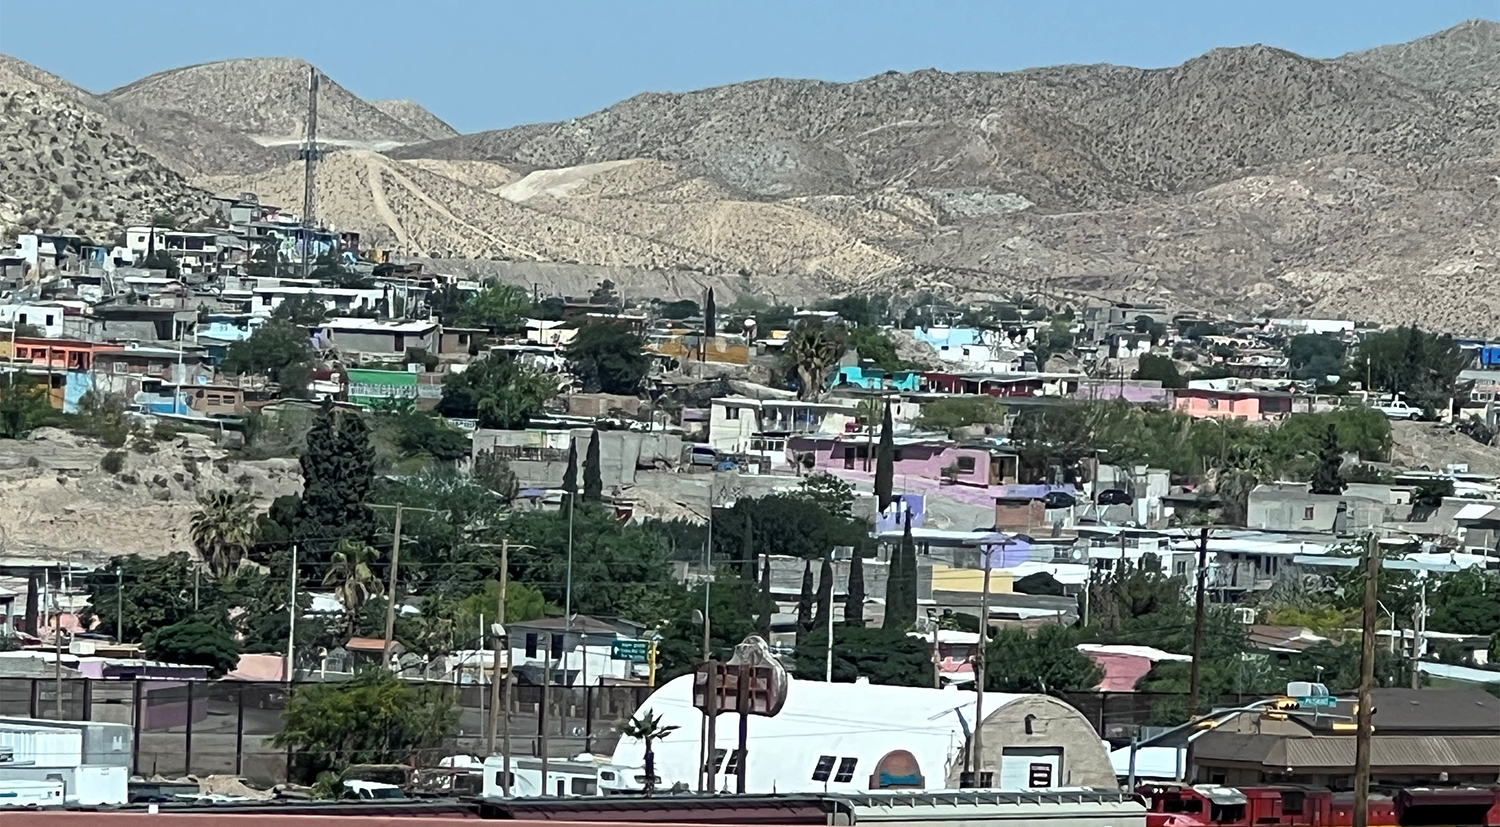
<point x="486" y="64"/>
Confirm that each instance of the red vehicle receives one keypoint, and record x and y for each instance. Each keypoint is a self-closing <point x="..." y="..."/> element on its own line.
<point x="1180" y="805"/>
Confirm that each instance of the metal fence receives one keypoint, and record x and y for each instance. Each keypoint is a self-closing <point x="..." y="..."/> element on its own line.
<point x="226" y="727"/>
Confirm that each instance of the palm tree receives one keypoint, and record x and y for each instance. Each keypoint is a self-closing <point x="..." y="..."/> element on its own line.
<point x="223" y="530"/>
<point x="351" y="573"/>
<point x="648" y="729"/>
<point x="812" y="349"/>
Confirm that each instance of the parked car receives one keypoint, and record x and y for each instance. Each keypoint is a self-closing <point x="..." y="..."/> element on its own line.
<point x="1114" y="496"/>
<point x="1059" y="499"/>
<point x="1399" y="410"/>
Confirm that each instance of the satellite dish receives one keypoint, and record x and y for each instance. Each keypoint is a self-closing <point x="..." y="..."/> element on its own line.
<point x="497" y="630"/>
<point x="697" y="617"/>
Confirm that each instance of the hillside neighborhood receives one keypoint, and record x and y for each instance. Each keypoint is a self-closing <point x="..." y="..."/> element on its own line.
<point x="605" y="471"/>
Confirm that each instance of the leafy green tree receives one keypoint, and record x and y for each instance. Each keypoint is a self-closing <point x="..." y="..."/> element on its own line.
<point x="885" y="656"/>
<point x="278" y="350"/>
<point x="1048" y="662"/>
<point x="860" y="311"/>
<point x="145" y="594"/>
<point x="955" y="412"/>
<point x="608" y="357"/>
<point x="1423" y="367"/>
<point x="443" y="552"/>
<point x="593" y="480"/>
<point x="300" y="311"/>
<point x="789" y="524"/>
<point x="522" y="602"/>
<point x="1327" y="479"/>
<point x="810" y="353"/>
<point x="418" y="433"/>
<point x="1039" y="583"/>
<point x="875" y="346"/>
<point x="605" y="294"/>
<point x="223" y="529"/>
<point x="829" y="492"/>
<point x="196" y="642"/>
<point x="498" y="308"/>
<point x="497" y="391"/>
<point x="1315" y="356"/>
<point x="618" y="571"/>
<point x="681" y="644"/>
<point x="374" y="719"/>
<point x="681" y="309"/>
<point x="1052" y="440"/>
<point x="24" y="408"/>
<point x="885" y="462"/>
<point x="1161" y="369"/>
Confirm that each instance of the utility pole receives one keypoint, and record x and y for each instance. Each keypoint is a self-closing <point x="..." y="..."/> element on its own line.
<point x="1198" y="609"/>
<point x="1366" y="678"/>
<point x="489" y="743"/>
<point x="828" y="662"/>
<point x="310" y="171"/>
<point x="57" y="652"/>
<point x="1419" y="632"/>
<point x="291" y="626"/>
<point x="390" y="601"/>
<point x="977" y="741"/>
<point x="120" y="605"/>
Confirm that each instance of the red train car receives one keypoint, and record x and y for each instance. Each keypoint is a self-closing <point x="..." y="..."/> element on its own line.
<point x="1206" y="805"/>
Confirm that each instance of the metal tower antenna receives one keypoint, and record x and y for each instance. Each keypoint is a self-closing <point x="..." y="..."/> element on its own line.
<point x="310" y="155"/>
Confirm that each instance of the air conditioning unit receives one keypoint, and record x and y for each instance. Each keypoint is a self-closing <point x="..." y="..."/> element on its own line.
<point x="1244" y="615"/>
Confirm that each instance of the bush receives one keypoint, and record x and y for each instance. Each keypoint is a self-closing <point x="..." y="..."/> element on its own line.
<point x="112" y="462"/>
<point x="961" y="411"/>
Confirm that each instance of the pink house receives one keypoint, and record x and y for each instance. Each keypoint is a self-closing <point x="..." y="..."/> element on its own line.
<point x="1244" y="404"/>
<point x="1124" y="665"/>
<point x="918" y="458"/>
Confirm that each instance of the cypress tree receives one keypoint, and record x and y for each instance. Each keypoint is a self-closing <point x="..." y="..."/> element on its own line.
<point x="321" y="510"/>
<point x="709" y="311"/>
<point x="767" y="605"/>
<point x="747" y="549"/>
<point x="593" y="480"/>
<point x="805" y="600"/>
<point x="885" y="462"/>
<point x="1327" y="478"/>
<point x="357" y="478"/>
<point x="901" y="590"/>
<point x="570" y="474"/>
<point x="825" y="594"/>
<point x="854" y="597"/>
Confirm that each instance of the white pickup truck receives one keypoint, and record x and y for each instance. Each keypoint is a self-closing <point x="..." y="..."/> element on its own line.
<point x="1398" y="409"/>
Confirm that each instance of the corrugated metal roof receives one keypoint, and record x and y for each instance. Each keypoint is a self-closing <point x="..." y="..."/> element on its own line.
<point x="1238" y="747"/>
<point x="1388" y="752"/>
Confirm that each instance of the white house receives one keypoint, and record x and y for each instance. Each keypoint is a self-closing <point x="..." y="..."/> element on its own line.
<point x="741" y="425"/>
<point x="46" y="317"/>
<point x="854" y="737"/>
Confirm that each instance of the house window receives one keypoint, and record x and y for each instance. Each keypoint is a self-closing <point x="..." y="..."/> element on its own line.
<point x="582" y="786"/>
<point x="731" y="413"/>
<point x="966" y="465"/>
<point x="119" y="367"/>
<point x="824" y="768"/>
<point x="846" y="770"/>
<point x="21" y="318"/>
<point x="531" y="644"/>
<point x="1307" y="513"/>
<point x="49" y="320"/>
<point x="400" y="342"/>
<point x="1213" y="404"/>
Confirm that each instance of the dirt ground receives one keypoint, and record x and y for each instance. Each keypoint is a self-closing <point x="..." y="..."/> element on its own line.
<point x="1433" y="445"/>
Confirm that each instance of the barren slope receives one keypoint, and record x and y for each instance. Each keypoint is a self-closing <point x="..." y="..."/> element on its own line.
<point x="417" y="117"/>
<point x="63" y="167"/>
<point x="265" y="98"/>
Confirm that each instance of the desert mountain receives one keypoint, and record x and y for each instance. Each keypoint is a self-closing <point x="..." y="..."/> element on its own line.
<point x="417" y="117"/>
<point x="66" y="167"/>
<point x="265" y="99"/>
<point x="1250" y="179"/>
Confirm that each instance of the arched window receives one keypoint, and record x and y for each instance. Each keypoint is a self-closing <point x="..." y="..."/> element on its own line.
<point x="1030" y="724"/>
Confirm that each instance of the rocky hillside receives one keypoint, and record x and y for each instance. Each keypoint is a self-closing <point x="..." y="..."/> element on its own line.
<point x="266" y="99"/>
<point x="66" y="167"/>
<point x="417" y="117"/>
<point x="1248" y="179"/>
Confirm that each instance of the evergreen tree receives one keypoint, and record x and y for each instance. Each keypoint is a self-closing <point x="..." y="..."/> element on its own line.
<point x="593" y="481"/>
<point x="825" y="594"/>
<point x="767" y="604"/>
<point x="901" y="590"/>
<point x="747" y="549"/>
<point x="854" y="597"/>
<point x="885" y="459"/>
<point x="1327" y="479"/>
<point x="805" y="600"/>
<point x="338" y="475"/>
<point x="570" y="474"/>
<point x="709" y="310"/>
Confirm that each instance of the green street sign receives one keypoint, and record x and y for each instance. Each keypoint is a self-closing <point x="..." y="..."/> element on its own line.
<point x="1318" y="702"/>
<point x="634" y="651"/>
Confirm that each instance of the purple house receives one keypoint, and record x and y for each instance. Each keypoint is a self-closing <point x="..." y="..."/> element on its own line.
<point x="929" y="458"/>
